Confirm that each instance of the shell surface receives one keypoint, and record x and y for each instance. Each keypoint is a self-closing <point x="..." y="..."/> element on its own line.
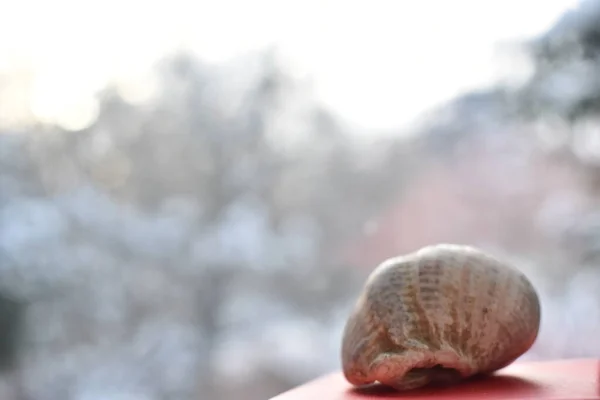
<point x="438" y="315"/>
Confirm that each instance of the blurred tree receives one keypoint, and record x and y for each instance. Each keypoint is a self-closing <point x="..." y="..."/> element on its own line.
<point x="218" y="207"/>
<point x="563" y="96"/>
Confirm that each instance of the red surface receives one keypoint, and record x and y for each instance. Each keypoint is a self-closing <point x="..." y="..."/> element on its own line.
<point x="556" y="380"/>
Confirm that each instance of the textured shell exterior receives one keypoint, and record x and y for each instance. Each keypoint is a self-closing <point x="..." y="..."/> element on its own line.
<point x="440" y="314"/>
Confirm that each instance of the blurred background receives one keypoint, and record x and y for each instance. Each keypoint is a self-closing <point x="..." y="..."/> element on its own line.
<point x="193" y="193"/>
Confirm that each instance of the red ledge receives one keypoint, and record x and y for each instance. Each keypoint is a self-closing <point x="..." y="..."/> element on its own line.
<point x="577" y="379"/>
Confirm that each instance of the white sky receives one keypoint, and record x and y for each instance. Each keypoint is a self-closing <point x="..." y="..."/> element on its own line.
<point x="377" y="63"/>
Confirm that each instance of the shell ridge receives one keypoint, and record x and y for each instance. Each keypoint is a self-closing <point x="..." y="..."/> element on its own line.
<point x="424" y="324"/>
<point x="502" y="330"/>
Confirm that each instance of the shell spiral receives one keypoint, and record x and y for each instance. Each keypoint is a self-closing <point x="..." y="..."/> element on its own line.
<point x="439" y="315"/>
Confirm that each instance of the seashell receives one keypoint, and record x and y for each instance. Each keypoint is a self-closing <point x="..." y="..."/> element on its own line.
<point x="437" y="316"/>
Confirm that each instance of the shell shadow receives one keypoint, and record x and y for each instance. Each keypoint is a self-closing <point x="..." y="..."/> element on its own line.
<point x="492" y="385"/>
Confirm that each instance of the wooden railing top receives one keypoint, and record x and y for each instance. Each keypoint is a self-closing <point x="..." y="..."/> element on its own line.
<point x="574" y="379"/>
